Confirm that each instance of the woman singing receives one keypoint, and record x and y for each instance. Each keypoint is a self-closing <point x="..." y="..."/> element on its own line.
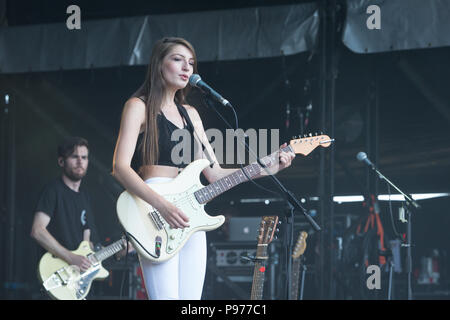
<point x="143" y="156"/>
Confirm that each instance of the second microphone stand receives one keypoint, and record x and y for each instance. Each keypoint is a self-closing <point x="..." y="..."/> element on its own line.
<point x="411" y="205"/>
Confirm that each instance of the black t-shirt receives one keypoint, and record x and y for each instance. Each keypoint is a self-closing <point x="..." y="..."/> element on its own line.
<point x="70" y="213"/>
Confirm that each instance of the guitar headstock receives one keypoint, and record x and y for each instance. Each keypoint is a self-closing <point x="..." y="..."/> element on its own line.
<point x="300" y="246"/>
<point x="267" y="229"/>
<point x="306" y="144"/>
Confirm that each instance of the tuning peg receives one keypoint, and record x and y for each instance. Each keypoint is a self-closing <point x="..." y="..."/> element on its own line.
<point x="315" y="134"/>
<point x="310" y="134"/>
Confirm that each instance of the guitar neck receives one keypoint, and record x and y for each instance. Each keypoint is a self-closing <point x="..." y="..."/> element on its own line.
<point x="218" y="187"/>
<point x="259" y="272"/>
<point x="295" y="276"/>
<point x="110" y="250"/>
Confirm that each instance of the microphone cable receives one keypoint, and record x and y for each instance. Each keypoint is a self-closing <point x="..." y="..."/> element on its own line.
<point x="392" y="215"/>
<point x="237" y="126"/>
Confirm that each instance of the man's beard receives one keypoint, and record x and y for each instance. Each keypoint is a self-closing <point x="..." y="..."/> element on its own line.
<point x="74" y="176"/>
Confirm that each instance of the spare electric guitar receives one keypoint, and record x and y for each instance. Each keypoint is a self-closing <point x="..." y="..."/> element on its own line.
<point x="297" y="254"/>
<point x="265" y="236"/>
<point x="66" y="282"/>
<point x="152" y="236"/>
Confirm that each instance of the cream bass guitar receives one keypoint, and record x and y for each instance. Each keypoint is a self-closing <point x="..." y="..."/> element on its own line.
<point x="65" y="282"/>
<point x="153" y="238"/>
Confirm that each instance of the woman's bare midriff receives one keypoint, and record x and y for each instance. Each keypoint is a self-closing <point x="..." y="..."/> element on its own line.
<point x="147" y="172"/>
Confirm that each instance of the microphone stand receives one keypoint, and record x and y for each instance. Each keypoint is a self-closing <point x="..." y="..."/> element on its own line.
<point x="292" y="202"/>
<point x="411" y="205"/>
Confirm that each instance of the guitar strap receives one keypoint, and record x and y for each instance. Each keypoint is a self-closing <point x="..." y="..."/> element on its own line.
<point x="185" y="115"/>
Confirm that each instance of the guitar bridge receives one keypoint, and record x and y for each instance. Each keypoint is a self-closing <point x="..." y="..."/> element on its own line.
<point x="61" y="277"/>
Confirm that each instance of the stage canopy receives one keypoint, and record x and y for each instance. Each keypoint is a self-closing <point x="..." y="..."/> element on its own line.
<point x="217" y="35"/>
<point x="404" y="25"/>
<point x="245" y="33"/>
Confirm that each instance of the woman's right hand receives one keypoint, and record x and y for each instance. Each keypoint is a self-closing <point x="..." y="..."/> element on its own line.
<point x="173" y="215"/>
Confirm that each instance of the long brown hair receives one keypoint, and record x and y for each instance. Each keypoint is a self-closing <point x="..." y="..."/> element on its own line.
<point x="153" y="90"/>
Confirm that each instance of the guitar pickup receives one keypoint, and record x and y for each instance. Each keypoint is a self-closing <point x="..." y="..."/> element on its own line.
<point x="157" y="219"/>
<point x="93" y="260"/>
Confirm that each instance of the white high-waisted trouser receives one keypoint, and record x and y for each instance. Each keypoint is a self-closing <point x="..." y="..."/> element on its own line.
<point x="182" y="276"/>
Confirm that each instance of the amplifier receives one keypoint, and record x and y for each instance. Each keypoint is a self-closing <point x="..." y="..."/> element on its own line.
<point x="230" y="271"/>
<point x="234" y="257"/>
<point x="232" y="253"/>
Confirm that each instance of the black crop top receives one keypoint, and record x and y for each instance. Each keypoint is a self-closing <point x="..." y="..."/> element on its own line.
<point x="165" y="144"/>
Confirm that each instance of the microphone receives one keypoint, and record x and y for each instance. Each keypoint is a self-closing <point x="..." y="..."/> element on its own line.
<point x="196" y="81"/>
<point x="362" y="156"/>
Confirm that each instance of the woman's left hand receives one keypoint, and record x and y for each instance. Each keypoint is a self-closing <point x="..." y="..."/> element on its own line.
<point x="285" y="158"/>
<point x="284" y="161"/>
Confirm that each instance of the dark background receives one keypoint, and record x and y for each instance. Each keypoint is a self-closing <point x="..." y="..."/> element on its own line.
<point x="413" y="135"/>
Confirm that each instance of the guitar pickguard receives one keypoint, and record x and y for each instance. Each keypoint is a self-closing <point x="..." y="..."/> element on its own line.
<point x="84" y="283"/>
<point x="189" y="205"/>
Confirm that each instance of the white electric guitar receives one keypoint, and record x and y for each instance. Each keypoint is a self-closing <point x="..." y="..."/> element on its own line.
<point x="151" y="235"/>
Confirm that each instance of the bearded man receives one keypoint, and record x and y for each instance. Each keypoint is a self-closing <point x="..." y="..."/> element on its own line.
<point x="63" y="212"/>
